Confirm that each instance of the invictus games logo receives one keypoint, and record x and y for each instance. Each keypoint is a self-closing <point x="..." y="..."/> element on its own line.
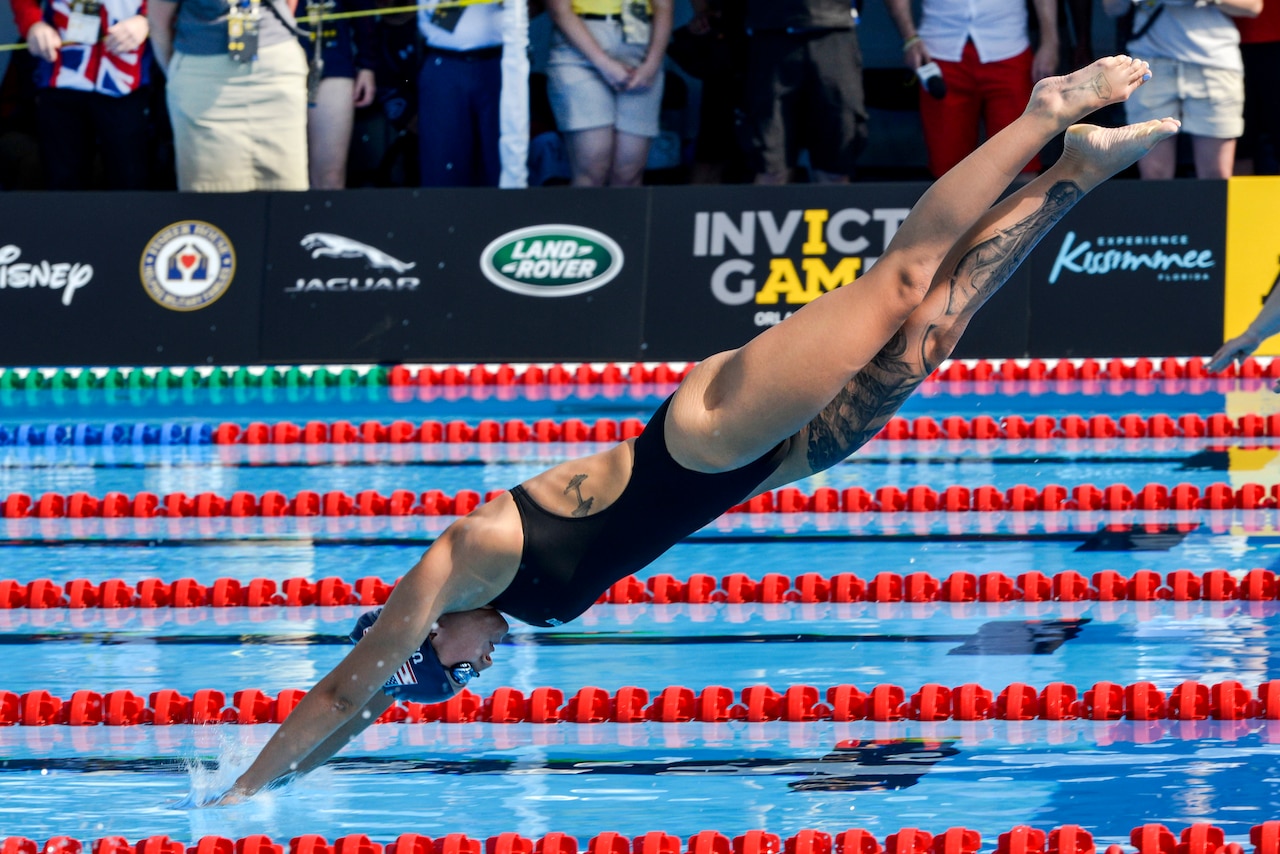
<point x="188" y="265"/>
<point x="552" y="261"/>
<point x="756" y="254"/>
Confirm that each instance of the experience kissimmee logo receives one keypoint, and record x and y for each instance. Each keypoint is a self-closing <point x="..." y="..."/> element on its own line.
<point x="1172" y="257"/>
<point x="552" y="260"/>
<point x="782" y="259"/>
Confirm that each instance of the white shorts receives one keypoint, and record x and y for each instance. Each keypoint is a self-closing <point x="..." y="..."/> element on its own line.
<point x="580" y="97"/>
<point x="1208" y="101"/>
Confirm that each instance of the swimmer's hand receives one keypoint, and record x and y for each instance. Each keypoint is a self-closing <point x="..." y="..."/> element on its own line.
<point x="228" y="798"/>
<point x="193" y="801"/>
<point x="1234" y="350"/>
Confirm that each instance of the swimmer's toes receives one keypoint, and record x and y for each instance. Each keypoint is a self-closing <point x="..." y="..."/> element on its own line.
<point x="1101" y="152"/>
<point x="1071" y="97"/>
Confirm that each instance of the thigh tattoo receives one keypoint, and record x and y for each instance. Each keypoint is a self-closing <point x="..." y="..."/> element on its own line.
<point x="864" y="405"/>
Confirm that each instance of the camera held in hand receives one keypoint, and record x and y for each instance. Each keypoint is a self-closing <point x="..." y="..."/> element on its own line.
<point x="930" y="76"/>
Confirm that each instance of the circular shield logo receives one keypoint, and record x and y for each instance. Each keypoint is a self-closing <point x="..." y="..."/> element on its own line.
<point x="188" y="265"/>
<point x="552" y="260"/>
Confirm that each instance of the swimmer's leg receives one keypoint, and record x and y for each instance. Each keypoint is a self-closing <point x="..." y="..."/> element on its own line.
<point x="976" y="267"/>
<point x="736" y="406"/>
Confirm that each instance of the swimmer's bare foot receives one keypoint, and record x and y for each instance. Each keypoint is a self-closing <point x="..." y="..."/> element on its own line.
<point x="1093" y="154"/>
<point x="1067" y="99"/>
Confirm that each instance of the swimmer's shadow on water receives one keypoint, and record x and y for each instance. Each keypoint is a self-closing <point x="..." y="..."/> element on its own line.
<point x="857" y="766"/>
<point x="851" y="766"/>
<point x="1020" y="637"/>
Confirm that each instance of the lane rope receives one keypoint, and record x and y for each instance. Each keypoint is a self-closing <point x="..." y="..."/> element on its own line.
<point x="1151" y="838"/>
<point x="1228" y="700"/>
<point x="490" y="431"/>
<point x="1020" y="498"/>
<point x="978" y="371"/>
<point x="1108" y="585"/>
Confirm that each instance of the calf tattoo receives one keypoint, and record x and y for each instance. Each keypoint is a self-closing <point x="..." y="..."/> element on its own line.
<point x="985" y="267"/>
<point x="876" y="392"/>
<point x="584" y="504"/>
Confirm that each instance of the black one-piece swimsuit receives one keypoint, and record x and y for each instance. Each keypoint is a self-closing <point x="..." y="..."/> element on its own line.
<point x="568" y="562"/>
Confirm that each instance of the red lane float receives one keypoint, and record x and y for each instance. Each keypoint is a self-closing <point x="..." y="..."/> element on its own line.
<point x="975" y="371"/>
<point x="1200" y="838"/>
<point x="434" y="502"/>
<point x="635" y="373"/>
<point x="1182" y="585"/>
<point x="1104" y="701"/>
<point x="922" y="428"/>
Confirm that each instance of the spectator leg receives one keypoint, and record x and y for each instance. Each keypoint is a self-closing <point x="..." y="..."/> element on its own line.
<point x="446" y="135"/>
<point x="1162" y="163"/>
<point x="65" y="127"/>
<point x="822" y="177"/>
<point x="1214" y="158"/>
<point x="590" y="155"/>
<point x="486" y="100"/>
<point x="1266" y="83"/>
<point x="832" y="119"/>
<point x="329" y="123"/>
<point x="629" y="155"/>
<point x="951" y="123"/>
<point x="124" y="135"/>
<point x="775" y="72"/>
<point x="1007" y="88"/>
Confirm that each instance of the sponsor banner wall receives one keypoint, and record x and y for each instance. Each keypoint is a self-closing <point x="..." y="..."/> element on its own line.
<point x="1253" y="254"/>
<point x="464" y="275"/>
<point x="667" y="273"/>
<point x="729" y="262"/>
<point x="130" y="278"/>
<point x="1135" y="269"/>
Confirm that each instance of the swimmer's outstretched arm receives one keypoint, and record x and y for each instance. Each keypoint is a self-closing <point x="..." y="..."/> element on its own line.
<point x="1266" y="324"/>
<point x="465" y="568"/>
<point x="377" y="704"/>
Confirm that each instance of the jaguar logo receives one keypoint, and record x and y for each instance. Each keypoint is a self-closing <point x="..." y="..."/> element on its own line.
<point x="324" y="245"/>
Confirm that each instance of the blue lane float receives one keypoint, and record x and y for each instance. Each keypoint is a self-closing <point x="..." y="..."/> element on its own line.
<point x="110" y="434"/>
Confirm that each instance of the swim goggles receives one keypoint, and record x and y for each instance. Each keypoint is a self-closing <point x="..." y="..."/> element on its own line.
<point x="463" y="672"/>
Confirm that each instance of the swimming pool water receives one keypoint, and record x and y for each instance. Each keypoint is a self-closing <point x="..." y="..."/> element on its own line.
<point x="484" y="779"/>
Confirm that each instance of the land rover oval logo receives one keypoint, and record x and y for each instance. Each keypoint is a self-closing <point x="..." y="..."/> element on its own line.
<point x="551" y="260"/>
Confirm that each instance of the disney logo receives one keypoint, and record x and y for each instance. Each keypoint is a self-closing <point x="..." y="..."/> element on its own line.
<point x="65" y="276"/>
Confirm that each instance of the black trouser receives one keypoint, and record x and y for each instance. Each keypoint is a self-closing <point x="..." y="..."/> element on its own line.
<point x="74" y="126"/>
<point x="1261" y="140"/>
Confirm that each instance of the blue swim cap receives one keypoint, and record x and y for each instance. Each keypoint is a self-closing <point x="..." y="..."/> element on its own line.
<point x="422" y="679"/>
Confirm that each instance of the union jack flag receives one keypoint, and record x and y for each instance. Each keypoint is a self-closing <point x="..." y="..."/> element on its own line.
<point x="92" y="68"/>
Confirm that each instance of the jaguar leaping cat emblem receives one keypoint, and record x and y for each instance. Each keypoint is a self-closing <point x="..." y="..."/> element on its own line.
<point x="336" y="246"/>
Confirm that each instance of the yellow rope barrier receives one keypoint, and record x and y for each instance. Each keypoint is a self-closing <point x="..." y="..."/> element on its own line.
<point x="339" y="16"/>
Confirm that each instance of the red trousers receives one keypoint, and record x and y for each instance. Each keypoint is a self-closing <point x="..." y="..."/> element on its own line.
<point x="993" y="93"/>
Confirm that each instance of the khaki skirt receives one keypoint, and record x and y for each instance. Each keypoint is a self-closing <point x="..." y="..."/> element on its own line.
<point x="240" y="126"/>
